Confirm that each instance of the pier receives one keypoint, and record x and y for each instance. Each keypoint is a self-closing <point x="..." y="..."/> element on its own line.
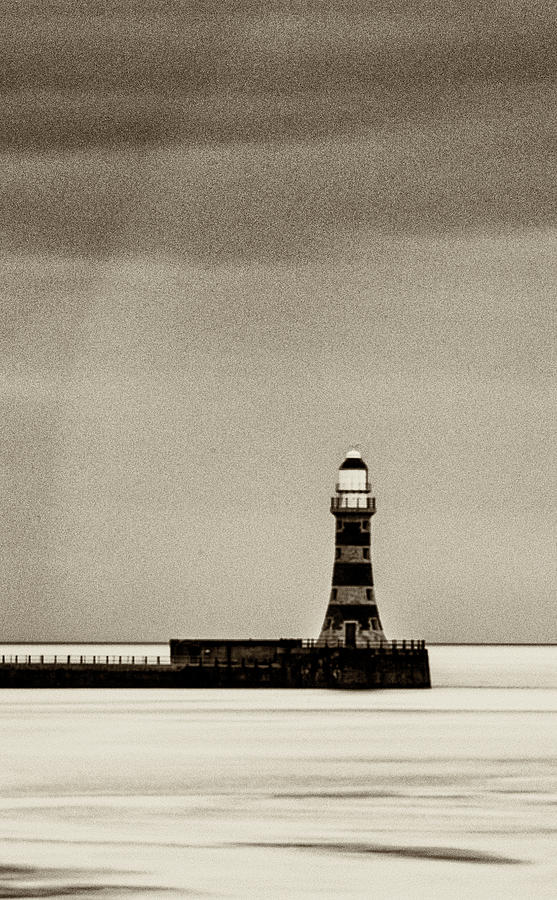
<point x="223" y="664"/>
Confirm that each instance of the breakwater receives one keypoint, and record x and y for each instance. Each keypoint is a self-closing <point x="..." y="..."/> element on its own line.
<point x="234" y="664"/>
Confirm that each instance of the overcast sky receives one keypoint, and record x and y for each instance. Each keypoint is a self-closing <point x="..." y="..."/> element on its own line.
<point x="237" y="243"/>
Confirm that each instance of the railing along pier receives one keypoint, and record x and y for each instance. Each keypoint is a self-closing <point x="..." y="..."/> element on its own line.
<point x="28" y="659"/>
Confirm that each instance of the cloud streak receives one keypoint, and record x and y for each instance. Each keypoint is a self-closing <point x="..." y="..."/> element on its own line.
<point x="273" y="135"/>
<point x="290" y="200"/>
<point x="202" y="76"/>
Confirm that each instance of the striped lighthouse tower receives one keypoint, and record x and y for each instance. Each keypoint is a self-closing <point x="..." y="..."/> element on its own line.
<point x="352" y="617"/>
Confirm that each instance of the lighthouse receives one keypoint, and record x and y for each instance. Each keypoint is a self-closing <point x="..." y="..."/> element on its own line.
<point x="351" y="650"/>
<point x="352" y="617"/>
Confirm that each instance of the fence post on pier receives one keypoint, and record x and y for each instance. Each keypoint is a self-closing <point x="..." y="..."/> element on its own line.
<point x="158" y="660"/>
<point x="120" y="660"/>
<point x="133" y="660"/>
<point x="69" y="658"/>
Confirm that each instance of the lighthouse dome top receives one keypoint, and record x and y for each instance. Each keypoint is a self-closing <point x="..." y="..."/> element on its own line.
<point x="353" y="460"/>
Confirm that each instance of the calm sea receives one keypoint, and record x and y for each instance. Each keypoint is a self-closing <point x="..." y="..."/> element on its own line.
<point x="448" y="793"/>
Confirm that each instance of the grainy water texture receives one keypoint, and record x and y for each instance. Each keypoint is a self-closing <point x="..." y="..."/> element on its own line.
<point x="446" y="793"/>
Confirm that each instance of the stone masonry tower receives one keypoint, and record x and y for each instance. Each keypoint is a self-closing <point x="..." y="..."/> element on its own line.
<point x="352" y="617"/>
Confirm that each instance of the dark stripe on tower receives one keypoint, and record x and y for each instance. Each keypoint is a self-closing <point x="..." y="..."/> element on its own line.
<point x="340" y="612"/>
<point x="352" y="574"/>
<point x="352" y="537"/>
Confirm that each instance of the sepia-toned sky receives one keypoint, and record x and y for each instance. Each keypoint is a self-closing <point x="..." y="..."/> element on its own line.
<point x="238" y="239"/>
